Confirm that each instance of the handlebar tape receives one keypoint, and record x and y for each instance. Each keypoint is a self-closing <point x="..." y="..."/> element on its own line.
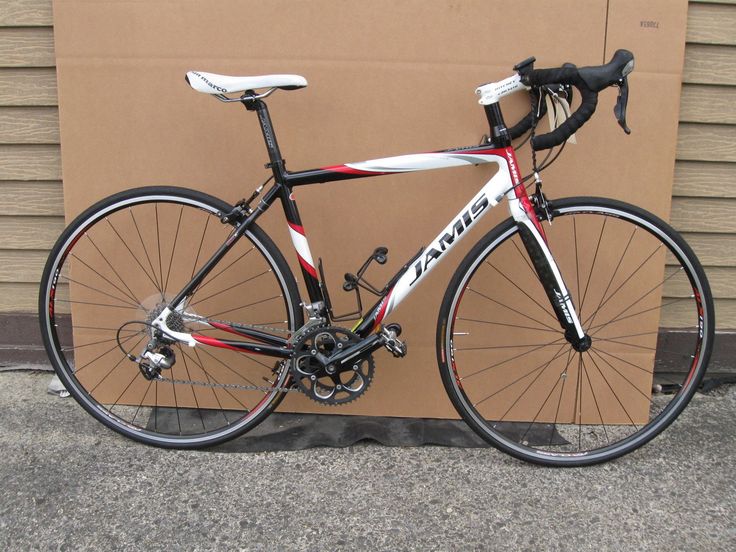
<point x="588" y="103"/>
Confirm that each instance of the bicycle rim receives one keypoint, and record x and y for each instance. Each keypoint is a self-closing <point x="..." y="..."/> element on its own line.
<point x="109" y="275"/>
<point x="640" y="294"/>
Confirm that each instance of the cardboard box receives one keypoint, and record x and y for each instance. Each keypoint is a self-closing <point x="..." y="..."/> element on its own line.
<point x="385" y="78"/>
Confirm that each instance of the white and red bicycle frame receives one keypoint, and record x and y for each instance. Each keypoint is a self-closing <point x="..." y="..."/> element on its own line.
<point x="506" y="182"/>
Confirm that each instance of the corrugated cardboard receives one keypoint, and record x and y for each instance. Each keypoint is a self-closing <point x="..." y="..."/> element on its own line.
<point x="385" y="78"/>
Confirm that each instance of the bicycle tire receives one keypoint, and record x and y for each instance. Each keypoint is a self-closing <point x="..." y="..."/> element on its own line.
<point x="644" y="378"/>
<point x="122" y="260"/>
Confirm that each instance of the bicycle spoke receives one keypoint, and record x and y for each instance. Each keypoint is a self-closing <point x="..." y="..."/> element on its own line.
<point x="615" y="395"/>
<point x="647" y="293"/>
<point x="507" y="325"/>
<point x="94" y="304"/>
<point x="557" y="341"/>
<point x="563" y="377"/>
<point x="158" y="249"/>
<point x="592" y="266"/>
<point x="194" y="394"/>
<point x="124" y="357"/>
<point x="126" y="302"/>
<point x="546" y="311"/>
<point x="75" y="347"/>
<point x="595" y="401"/>
<point x="199" y="249"/>
<point x="541" y="371"/>
<point x="229" y="288"/>
<point x="135" y="258"/>
<point x="536" y="415"/>
<point x="159" y="287"/>
<point x="512" y="310"/>
<point x="137" y="410"/>
<point x="213" y="379"/>
<point x="201" y="286"/>
<point x="612" y="367"/>
<point x="523" y="345"/>
<point x="116" y="401"/>
<point x="111" y="349"/>
<point x="621" y="318"/>
<point x="640" y="334"/>
<point x="105" y="329"/>
<point x="578" y="412"/>
<point x="615" y="271"/>
<point x="557" y="355"/>
<point x="86" y="235"/>
<point x="577" y="264"/>
<point x="103" y="277"/>
<point x="525" y="258"/>
<point x="592" y="316"/>
<point x="246" y="306"/>
<point x="176" y="405"/>
<point x="173" y="248"/>
<point x="241" y="376"/>
<point x="206" y="375"/>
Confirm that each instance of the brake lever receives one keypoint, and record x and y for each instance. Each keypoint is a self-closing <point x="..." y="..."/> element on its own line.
<point x="620" y="109"/>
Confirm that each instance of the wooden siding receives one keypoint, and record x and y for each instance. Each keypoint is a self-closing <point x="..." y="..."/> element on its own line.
<point x="704" y="189"/>
<point x="31" y="197"/>
<point x="31" y="201"/>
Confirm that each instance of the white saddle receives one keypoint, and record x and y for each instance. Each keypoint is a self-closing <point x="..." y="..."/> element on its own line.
<point x="210" y="83"/>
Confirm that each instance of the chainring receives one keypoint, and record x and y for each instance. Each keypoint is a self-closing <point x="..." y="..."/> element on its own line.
<point x="312" y="375"/>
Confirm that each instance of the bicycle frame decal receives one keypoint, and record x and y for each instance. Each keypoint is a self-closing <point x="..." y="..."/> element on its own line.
<point x="299" y="239"/>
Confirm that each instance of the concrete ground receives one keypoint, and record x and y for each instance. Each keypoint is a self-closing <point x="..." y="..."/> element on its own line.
<point x="68" y="483"/>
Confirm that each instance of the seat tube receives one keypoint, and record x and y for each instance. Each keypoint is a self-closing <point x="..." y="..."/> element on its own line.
<point x="301" y="245"/>
<point x="296" y="229"/>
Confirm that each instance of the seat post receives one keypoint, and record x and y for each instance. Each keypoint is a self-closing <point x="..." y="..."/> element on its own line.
<point x="276" y="162"/>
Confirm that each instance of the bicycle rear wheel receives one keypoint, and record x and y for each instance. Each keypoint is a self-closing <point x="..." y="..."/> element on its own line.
<point x="640" y="294"/>
<point x="116" y="267"/>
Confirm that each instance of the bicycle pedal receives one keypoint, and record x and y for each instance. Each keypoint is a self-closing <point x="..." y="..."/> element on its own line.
<point x="390" y="336"/>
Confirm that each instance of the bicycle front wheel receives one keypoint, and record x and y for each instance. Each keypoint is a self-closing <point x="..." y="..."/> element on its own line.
<point x="641" y="296"/>
<point x="111" y="273"/>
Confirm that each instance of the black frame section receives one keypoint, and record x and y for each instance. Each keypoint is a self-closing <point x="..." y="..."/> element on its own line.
<point x="285" y="181"/>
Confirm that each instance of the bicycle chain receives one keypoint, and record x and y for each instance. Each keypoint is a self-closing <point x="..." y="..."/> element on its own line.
<point x="228" y="385"/>
<point x="263" y="388"/>
<point x="249" y="326"/>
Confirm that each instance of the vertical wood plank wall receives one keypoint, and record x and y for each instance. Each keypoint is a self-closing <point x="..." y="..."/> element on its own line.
<point x="31" y="210"/>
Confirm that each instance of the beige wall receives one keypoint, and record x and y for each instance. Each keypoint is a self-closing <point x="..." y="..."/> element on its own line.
<point x="31" y="213"/>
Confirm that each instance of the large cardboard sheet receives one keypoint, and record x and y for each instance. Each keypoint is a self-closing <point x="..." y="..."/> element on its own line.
<point x="385" y="78"/>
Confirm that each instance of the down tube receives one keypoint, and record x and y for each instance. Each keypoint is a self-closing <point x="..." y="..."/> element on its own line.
<point x="487" y="197"/>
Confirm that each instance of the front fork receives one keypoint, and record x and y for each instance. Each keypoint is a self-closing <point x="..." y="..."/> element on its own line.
<point x="535" y="241"/>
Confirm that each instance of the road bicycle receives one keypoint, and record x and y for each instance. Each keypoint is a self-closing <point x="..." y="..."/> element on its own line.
<point x="572" y="333"/>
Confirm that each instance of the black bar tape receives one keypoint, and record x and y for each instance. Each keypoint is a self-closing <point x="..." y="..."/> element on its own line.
<point x="588" y="103"/>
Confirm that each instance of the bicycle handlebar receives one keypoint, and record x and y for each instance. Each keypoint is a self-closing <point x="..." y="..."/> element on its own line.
<point x="589" y="81"/>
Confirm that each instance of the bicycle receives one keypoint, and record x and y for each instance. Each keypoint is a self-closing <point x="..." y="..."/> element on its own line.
<point x="614" y="343"/>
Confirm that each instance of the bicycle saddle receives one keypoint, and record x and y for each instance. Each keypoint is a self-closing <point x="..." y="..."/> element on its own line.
<point x="211" y="83"/>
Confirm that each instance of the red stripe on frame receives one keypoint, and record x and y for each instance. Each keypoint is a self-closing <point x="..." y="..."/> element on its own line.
<point x="206" y="340"/>
<point x="382" y="312"/>
<point x="348" y="170"/>
<point x="309" y="268"/>
<point x="223" y="327"/>
<point x="520" y="192"/>
<point x="297" y="228"/>
<point x="499" y="152"/>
